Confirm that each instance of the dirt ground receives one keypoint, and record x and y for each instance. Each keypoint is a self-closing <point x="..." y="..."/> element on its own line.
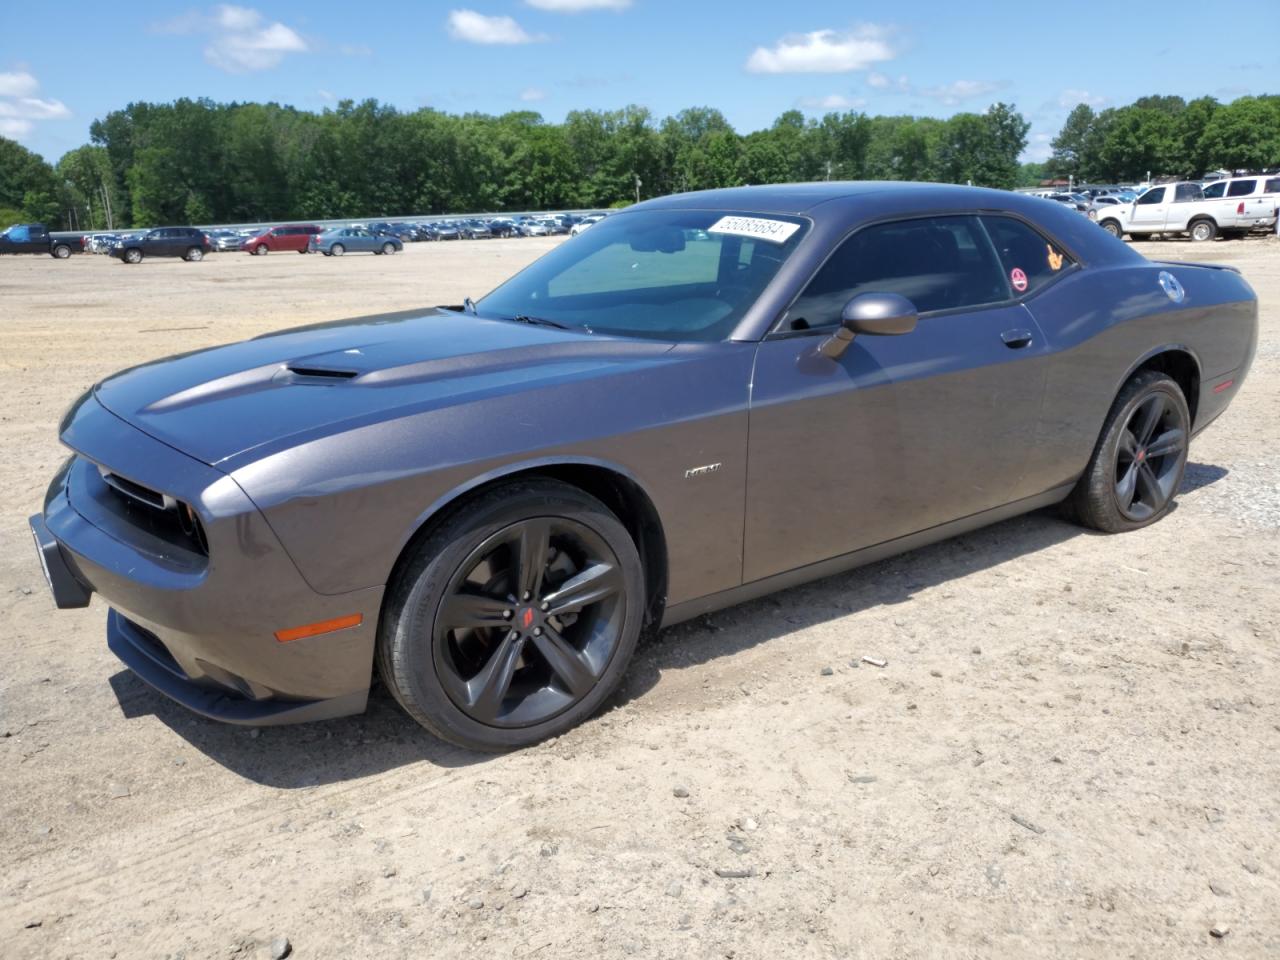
<point x="1073" y="749"/>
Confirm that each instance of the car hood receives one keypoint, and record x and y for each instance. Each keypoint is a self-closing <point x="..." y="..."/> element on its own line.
<point x="286" y="388"/>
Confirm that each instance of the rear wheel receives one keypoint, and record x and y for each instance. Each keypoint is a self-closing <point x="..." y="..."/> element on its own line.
<point x="337" y="250"/>
<point x="1138" y="463"/>
<point x="1203" y="230"/>
<point x="62" y="251"/>
<point x="194" y="254"/>
<point x="515" y="619"/>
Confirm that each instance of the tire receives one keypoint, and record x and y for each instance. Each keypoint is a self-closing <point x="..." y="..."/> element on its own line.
<point x="388" y="248"/>
<point x="61" y="251"/>
<point x="261" y="250"/>
<point x="194" y="255"/>
<point x="1115" y="498"/>
<point x="133" y="255"/>
<point x="1203" y="230"/>
<point x="304" y="252"/>
<point x="432" y="667"/>
<point x="337" y="250"/>
<point x="1112" y="227"/>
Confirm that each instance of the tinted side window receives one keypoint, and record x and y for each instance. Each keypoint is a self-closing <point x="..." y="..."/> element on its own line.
<point x="1242" y="188"/>
<point x="1185" y="192"/>
<point x="1273" y="186"/>
<point x="1029" y="260"/>
<point x="1154" y="195"/>
<point x="1215" y="190"/>
<point x="937" y="263"/>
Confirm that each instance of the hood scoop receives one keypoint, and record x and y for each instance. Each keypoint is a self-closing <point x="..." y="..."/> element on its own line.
<point x="320" y="373"/>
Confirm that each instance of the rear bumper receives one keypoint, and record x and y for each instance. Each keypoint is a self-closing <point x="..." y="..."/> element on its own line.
<point x="200" y="629"/>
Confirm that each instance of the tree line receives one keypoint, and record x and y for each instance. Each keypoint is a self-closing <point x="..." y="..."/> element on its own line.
<point x="1167" y="136"/>
<point x="197" y="161"/>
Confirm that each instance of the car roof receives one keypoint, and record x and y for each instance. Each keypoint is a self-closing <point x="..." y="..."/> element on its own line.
<point x="835" y="207"/>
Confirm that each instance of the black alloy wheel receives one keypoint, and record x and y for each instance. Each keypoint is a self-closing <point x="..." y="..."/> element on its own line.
<point x="1139" y="460"/>
<point x="529" y="622"/>
<point x="1149" y="457"/>
<point x="515" y="618"/>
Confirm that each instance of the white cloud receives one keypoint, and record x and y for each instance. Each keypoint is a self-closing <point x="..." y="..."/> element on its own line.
<point x="19" y="110"/>
<point x="532" y="94"/>
<point x="477" y="28"/>
<point x="823" y="51"/>
<point x="958" y="91"/>
<point x="1038" y="148"/>
<point x="833" y="101"/>
<point x="241" y="40"/>
<point x="18" y="84"/>
<point x="1071" y="98"/>
<point x="577" y="6"/>
<point x="878" y="80"/>
<point x="326" y="94"/>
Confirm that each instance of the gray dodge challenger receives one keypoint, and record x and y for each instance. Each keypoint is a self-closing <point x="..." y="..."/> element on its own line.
<point x="702" y="399"/>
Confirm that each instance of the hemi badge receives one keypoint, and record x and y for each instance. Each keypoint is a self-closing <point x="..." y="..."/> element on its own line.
<point x="701" y="471"/>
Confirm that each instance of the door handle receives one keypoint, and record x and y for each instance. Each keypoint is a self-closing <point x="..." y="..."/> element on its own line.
<point x="1016" y="339"/>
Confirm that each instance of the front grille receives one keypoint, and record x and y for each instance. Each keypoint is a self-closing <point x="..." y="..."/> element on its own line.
<point x="137" y="491"/>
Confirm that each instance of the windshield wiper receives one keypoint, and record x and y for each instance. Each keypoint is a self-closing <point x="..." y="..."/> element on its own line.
<point x="538" y="321"/>
<point x="468" y="305"/>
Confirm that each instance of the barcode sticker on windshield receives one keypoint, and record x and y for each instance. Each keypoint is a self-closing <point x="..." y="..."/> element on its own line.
<point x="775" y="231"/>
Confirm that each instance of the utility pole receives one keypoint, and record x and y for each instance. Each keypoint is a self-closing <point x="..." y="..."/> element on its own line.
<point x="637" y="176"/>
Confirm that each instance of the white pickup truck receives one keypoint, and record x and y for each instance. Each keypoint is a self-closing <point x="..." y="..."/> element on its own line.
<point x="1183" y="208"/>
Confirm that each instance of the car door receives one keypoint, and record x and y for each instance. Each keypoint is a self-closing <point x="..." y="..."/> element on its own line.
<point x="154" y="244"/>
<point x="1150" y="210"/>
<point x="1188" y="200"/>
<point x="901" y="433"/>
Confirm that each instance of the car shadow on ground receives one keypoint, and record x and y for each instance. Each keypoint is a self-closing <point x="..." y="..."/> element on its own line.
<point x="384" y="738"/>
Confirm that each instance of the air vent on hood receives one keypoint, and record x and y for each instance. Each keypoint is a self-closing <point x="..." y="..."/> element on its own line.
<point x="321" y="373"/>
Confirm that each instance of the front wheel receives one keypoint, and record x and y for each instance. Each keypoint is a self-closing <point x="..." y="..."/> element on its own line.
<point x="1203" y="230"/>
<point x="1112" y="227"/>
<point x="388" y="248"/>
<point x="133" y="256"/>
<point x="261" y="250"/>
<point x="337" y="250"/>
<point x="1138" y="463"/>
<point x="515" y="618"/>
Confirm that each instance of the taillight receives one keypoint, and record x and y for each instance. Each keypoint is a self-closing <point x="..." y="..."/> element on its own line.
<point x="1240" y="207"/>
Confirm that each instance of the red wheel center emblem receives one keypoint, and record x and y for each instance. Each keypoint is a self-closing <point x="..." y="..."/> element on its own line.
<point x="526" y="618"/>
<point x="1142" y="455"/>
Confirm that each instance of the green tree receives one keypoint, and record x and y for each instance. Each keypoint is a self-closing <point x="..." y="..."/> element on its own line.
<point x="1243" y="135"/>
<point x="1070" y="147"/>
<point x="28" y="185"/>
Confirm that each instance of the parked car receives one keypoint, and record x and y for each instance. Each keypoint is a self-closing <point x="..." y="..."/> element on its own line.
<point x="475" y="230"/>
<point x="446" y="230"/>
<point x="34" y="238"/>
<point x="493" y="503"/>
<point x="185" y="242"/>
<point x="1244" y="203"/>
<point x="335" y="243"/>
<point x="528" y="227"/>
<point x="1182" y="208"/>
<point x="585" y="223"/>
<point x="225" y="240"/>
<point x="502" y="227"/>
<point x="295" y="237"/>
<point x="401" y="231"/>
<point x="100" y="242"/>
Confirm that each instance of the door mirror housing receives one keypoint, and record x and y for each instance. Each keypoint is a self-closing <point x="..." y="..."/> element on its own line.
<point x="873" y="314"/>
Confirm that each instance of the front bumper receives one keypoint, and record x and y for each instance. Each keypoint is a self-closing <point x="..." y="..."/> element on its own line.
<point x="200" y="629"/>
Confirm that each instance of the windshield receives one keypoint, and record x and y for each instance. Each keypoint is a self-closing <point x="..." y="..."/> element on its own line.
<point x="661" y="274"/>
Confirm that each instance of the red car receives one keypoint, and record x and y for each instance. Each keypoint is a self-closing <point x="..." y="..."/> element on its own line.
<point x="295" y="237"/>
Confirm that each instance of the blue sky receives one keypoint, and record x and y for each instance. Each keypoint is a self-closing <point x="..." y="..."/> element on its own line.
<point x="63" y="65"/>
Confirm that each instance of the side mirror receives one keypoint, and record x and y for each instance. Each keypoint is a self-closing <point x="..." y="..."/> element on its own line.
<point x="873" y="314"/>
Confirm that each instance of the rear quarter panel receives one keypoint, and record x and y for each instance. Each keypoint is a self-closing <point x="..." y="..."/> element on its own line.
<point x="1105" y="322"/>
